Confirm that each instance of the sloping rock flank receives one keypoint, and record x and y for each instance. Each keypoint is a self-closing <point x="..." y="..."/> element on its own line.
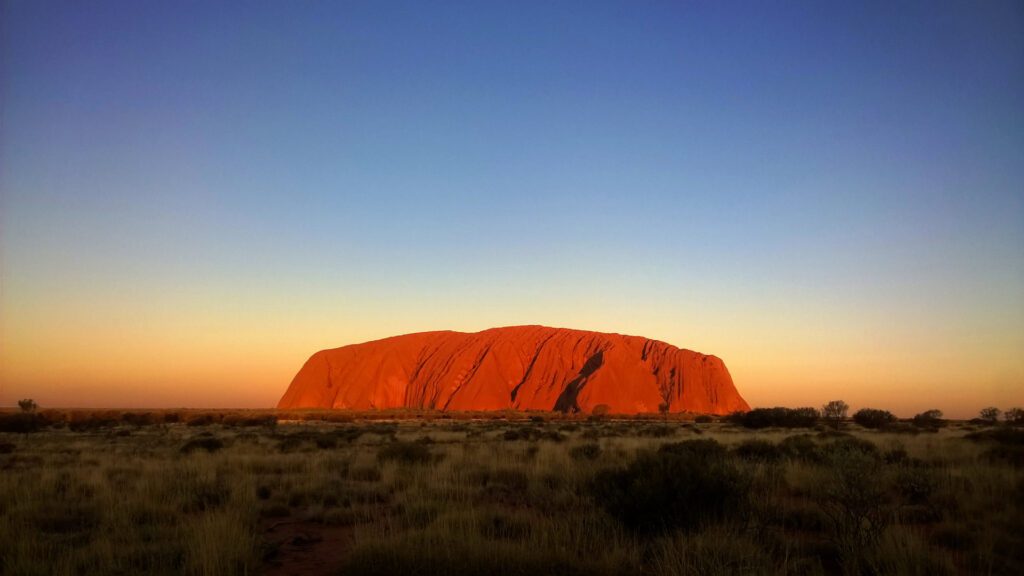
<point x="521" y="368"/>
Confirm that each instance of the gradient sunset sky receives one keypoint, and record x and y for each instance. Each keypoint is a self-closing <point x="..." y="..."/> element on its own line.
<point x="196" y="196"/>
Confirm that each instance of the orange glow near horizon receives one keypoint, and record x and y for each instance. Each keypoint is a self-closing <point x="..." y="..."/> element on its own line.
<point x="74" y="355"/>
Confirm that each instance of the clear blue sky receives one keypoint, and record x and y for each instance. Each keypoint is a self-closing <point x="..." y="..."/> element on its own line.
<point x="828" y="195"/>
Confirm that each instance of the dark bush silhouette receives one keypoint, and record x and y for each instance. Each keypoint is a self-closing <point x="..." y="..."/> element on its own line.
<point x="92" y="422"/>
<point x="683" y="485"/>
<point x="28" y="405"/>
<point x="704" y="419"/>
<point x="532" y="433"/>
<point x="989" y="415"/>
<point x="139" y="419"/>
<point x="929" y="420"/>
<point x="207" y="443"/>
<point x="405" y="453"/>
<point x="873" y="418"/>
<point x="707" y="449"/>
<point x="21" y="422"/>
<point x="776" y="417"/>
<point x="201" y="420"/>
<point x="1014" y="416"/>
<point x="1005" y="436"/>
<point x="253" y="420"/>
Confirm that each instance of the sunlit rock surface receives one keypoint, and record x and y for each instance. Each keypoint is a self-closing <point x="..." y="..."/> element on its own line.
<point x="521" y="368"/>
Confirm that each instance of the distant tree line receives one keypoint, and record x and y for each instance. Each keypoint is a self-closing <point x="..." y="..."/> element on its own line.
<point x="834" y="413"/>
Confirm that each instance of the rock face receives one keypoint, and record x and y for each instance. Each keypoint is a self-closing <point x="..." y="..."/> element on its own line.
<point x="521" y="368"/>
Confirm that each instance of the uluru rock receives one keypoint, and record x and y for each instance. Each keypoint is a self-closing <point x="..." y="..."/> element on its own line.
<point x="521" y="368"/>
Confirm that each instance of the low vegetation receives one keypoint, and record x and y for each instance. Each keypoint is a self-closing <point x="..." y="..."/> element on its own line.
<point x="779" y="492"/>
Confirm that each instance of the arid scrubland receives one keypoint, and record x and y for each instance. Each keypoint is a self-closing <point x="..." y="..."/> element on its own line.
<point x="209" y="495"/>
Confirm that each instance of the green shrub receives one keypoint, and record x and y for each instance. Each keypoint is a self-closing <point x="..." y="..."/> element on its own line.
<point x="704" y="419"/>
<point x="684" y="485"/>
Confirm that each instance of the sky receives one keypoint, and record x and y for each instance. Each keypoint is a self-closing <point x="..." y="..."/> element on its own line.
<point x="196" y="196"/>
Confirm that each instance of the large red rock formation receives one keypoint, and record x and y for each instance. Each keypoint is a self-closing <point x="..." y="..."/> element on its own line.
<point x="521" y="367"/>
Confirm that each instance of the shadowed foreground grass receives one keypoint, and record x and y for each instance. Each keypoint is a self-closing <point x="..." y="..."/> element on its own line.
<point x="538" y="496"/>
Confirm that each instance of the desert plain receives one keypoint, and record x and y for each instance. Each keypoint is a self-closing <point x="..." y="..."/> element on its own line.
<point x="413" y="492"/>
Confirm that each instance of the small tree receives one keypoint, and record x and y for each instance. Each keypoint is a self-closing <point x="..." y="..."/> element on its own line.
<point x="1014" y="416"/>
<point x="929" y="419"/>
<point x="27" y="405"/>
<point x="835" y="412"/>
<point x="856" y="498"/>
<point x="990" y="414"/>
